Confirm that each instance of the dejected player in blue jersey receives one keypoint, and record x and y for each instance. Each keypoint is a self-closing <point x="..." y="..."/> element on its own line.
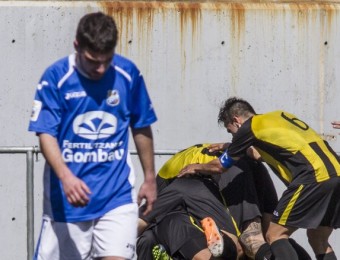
<point x="83" y="108"/>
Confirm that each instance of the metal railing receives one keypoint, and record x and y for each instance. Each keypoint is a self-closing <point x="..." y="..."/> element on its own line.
<point x="30" y="152"/>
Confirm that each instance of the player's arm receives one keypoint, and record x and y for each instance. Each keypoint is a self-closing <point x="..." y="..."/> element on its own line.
<point x="216" y="166"/>
<point x="218" y="147"/>
<point x="75" y="189"/>
<point x="144" y="144"/>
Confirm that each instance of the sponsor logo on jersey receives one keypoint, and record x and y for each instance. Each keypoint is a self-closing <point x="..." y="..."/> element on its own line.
<point x="78" y="94"/>
<point x="90" y="146"/>
<point x="92" y="152"/>
<point x="98" y="155"/>
<point x="36" y="108"/>
<point x="113" y="98"/>
<point x="95" y="125"/>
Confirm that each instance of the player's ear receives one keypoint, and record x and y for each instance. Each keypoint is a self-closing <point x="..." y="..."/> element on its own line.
<point x="76" y="45"/>
<point x="237" y="121"/>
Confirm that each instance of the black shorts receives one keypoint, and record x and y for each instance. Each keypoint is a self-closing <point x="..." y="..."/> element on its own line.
<point x="199" y="197"/>
<point x="145" y="244"/>
<point x="248" y="190"/>
<point x="181" y="235"/>
<point x="310" y="205"/>
<point x="162" y="183"/>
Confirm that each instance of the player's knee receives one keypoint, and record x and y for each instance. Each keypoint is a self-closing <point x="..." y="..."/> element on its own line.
<point x="273" y="235"/>
<point x="319" y="236"/>
<point x="318" y="244"/>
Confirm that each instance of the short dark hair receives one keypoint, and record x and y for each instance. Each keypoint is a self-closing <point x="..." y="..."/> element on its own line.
<point x="234" y="107"/>
<point x="97" y="32"/>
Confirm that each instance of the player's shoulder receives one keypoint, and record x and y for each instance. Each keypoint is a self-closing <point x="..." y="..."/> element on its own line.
<point x="278" y="112"/>
<point x="282" y="114"/>
<point x="120" y="59"/>
<point x="268" y="115"/>
<point x="63" y="63"/>
<point x="124" y="64"/>
<point x="62" y="66"/>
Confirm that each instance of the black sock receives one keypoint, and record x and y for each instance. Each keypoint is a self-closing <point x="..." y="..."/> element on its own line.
<point x="264" y="252"/>
<point x="328" y="256"/>
<point x="302" y="253"/>
<point x="283" y="250"/>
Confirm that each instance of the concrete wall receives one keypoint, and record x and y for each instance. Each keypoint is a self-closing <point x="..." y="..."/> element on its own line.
<point x="193" y="56"/>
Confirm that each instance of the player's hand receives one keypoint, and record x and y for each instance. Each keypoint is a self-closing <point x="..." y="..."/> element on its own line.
<point x="76" y="190"/>
<point x="336" y="124"/>
<point x="148" y="191"/>
<point x="189" y="170"/>
<point x="218" y="147"/>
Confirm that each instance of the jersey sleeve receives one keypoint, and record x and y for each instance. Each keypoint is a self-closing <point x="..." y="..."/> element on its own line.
<point x="46" y="110"/>
<point x="142" y="111"/>
<point x="242" y="140"/>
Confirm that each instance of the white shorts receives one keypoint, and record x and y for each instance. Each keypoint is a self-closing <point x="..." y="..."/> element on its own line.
<point x="114" y="234"/>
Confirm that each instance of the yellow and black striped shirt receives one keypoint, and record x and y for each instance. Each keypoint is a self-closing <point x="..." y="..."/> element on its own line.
<point x="289" y="146"/>
<point x="195" y="154"/>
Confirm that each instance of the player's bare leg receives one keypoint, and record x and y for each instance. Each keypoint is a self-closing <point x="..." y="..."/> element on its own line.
<point x="278" y="238"/>
<point x="252" y="237"/>
<point x="318" y="239"/>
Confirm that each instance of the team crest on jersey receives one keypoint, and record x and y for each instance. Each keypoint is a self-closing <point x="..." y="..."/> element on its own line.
<point x="113" y="98"/>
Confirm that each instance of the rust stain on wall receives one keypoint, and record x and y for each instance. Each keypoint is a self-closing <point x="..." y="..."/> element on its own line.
<point x="188" y="17"/>
<point x="190" y="13"/>
<point x="237" y="19"/>
<point x="329" y="12"/>
<point x="128" y="13"/>
<point x="318" y="18"/>
<point x="313" y="8"/>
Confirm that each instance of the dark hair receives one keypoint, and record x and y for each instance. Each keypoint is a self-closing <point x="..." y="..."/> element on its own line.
<point x="97" y="32"/>
<point x="234" y="107"/>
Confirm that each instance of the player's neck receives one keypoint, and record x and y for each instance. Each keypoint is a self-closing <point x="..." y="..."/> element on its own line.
<point x="79" y="67"/>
